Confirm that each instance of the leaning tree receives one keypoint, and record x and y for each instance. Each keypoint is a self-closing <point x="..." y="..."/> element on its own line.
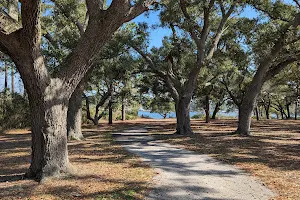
<point x="276" y="47"/>
<point x="49" y="95"/>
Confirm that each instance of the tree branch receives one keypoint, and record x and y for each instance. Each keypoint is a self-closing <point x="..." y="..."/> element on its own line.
<point x="73" y="19"/>
<point x="103" y="101"/>
<point x="87" y="103"/>
<point x="95" y="7"/>
<point x="102" y="24"/>
<point x="138" y="9"/>
<point x="171" y="74"/>
<point x="297" y="2"/>
<point x="30" y="12"/>
<point x="274" y="70"/>
<point x="192" y="26"/>
<point x="147" y="58"/>
<point x="7" y="24"/>
<point x="234" y="99"/>
<point x="268" y="13"/>
<point x="219" y="32"/>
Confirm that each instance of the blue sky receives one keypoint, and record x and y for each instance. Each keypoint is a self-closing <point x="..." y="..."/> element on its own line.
<point x="156" y="35"/>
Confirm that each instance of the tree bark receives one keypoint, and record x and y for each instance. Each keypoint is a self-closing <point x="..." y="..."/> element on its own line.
<point x="110" y="112"/>
<point x="267" y="109"/>
<point x="74" y="118"/>
<point x="257" y="113"/>
<point x="183" y="125"/>
<point x="282" y="114"/>
<point x="49" y="97"/>
<point x="247" y="106"/>
<point x="49" y="156"/>
<point x="207" y="116"/>
<point x="288" y="110"/>
<point x="6" y="77"/>
<point x="216" y="110"/>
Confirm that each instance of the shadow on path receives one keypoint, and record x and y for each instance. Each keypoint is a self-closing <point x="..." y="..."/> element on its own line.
<point x="182" y="174"/>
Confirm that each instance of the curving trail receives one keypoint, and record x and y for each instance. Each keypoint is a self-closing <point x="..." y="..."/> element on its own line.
<point x="182" y="174"/>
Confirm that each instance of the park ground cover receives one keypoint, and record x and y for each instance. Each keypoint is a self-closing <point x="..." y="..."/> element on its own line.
<point x="102" y="170"/>
<point x="106" y="171"/>
<point x="271" y="154"/>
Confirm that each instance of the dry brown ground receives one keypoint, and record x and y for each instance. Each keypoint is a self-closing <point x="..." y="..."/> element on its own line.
<point x="104" y="170"/>
<point x="272" y="154"/>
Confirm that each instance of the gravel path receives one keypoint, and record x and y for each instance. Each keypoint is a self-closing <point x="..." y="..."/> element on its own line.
<point x="182" y="174"/>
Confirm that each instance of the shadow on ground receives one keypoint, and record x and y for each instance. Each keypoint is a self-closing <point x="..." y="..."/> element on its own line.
<point x="103" y="170"/>
<point x="272" y="153"/>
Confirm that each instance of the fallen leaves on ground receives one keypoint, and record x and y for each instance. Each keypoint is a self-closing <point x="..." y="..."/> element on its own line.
<point x="102" y="170"/>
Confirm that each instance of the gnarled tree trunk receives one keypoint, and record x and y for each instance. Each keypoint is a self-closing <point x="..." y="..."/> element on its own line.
<point x="207" y="117"/>
<point x="216" y="110"/>
<point x="49" y="96"/>
<point x="183" y="125"/>
<point x="245" y="113"/>
<point x="48" y="106"/>
<point x="74" y="119"/>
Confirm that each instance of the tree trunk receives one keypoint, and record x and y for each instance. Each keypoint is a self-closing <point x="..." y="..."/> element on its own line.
<point x="110" y="112"/>
<point x="49" y="97"/>
<point x="247" y="106"/>
<point x="267" y="108"/>
<point x="244" y="120"/>
<point x="216" y="110"/>
<point x="6" y="77"/>
<point x="286" y="116"/>
<point x="282" y="113"/>
<point x="257" y="113"/>
<point x="48" y="101"/>
<point x="74" y="120"/>
<point x="123" y="110"/>
<point x="207" y="117"/>
<point x="165" y="115"/>
<point x="183" y="125"/>
<point x="49" y="156"/>
<point x="12" y="80"/>
<point x="288" y="110"/>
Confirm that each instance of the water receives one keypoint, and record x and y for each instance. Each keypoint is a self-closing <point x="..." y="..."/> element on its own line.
<point x="151" y="115"/>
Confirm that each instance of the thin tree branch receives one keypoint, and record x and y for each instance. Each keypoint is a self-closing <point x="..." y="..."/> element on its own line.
<point x="138" y="9"/>
<point x="297" y="2"/>
<point x="219" y="32"/>
<point x="274" y="70"/>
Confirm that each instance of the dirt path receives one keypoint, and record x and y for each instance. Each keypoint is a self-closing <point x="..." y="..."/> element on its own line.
<point x="185" y="175"/>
